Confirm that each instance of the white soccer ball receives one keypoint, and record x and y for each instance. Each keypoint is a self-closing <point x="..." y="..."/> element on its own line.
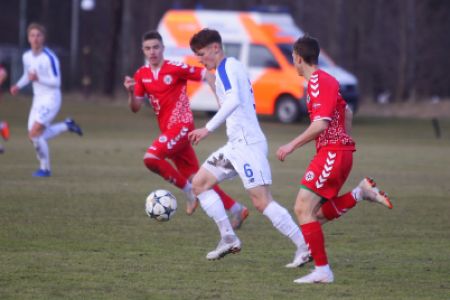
<point x="161" y="205"/>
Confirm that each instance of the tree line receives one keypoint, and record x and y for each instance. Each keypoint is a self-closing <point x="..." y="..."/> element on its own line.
<point x="397" y="48"/>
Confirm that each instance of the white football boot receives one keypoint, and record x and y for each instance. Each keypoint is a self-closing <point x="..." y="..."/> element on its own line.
<point x="317" y="276"/>
<point x="371" y="193"/>
<point x="228" y="244"/>
<point x="191" y="202"/>
<point x="302" y="257"/>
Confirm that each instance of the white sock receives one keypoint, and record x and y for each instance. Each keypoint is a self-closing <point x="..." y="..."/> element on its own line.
<point x="54" y="130"/>
<point x="213" y="206"/>
<point x="236" y="208"/>
<point x="283" y="222"/>
<point x="357" y="194"/>
<point x="42" y="152"/>
<point x="325" y="268"/>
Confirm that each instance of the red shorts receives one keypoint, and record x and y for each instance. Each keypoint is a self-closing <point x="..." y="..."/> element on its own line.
<point x="174" y="144"/>
<point x="327" y="172"/>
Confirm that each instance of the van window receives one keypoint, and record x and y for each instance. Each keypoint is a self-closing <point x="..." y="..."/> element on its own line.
<point x="261" y="57"/>
<point x="232" y="50"/>
<point x="286" y="49"/>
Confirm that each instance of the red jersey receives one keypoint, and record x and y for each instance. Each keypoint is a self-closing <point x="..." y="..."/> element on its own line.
<point x="166" y="90"/>
<point x="324" y="102"/>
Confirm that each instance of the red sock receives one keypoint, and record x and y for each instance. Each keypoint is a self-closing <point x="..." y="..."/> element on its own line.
<point x="166" y="171"/>
<point x="228" y="202"/>
<point x="334" y="208"/>
<point x="314" y="238"/>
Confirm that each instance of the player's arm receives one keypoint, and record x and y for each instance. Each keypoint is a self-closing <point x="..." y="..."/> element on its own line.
<point x="348" y="119"/>
<point x="313" y="131"/>
<point x="229" y="78"/>
<point x="52" y="80"/>
<point x="134" y="102"/>
<point x="229" y="105"/>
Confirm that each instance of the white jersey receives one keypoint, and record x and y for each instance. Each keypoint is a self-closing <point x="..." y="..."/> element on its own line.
<point x="46" y="66"/>
<point x="237" y="104"/>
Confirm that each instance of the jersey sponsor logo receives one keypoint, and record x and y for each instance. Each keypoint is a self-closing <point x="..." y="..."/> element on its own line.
<point x="316" y="105"/>
<point x="146" y="80"/>
<point x="167" y="79"/>
<point x="326" y="170"/>
<point x="162" y="139"/>
<point x="177" y="138"/>
<point x="309" y="176"/>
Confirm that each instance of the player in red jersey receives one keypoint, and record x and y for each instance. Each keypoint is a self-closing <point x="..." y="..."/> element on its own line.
<point x="317" y="200"/>
<point x="164" y="83"/>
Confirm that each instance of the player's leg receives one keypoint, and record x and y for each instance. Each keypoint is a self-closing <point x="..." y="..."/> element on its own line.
<point x="282" y="221"/>
<point x="4" y="130"/>
<point x="366" y="190"/>
<point x="306" y="206"/>
<point x="169" y="145"/>
<point x="215" y="169"/>
<point x="56" y="129"/>
<point x="250" y="162"/>
<point x="324" y="178"/>
<point x="186" y="163"/>
<point x="42" y="150"/>
<point x="43" y="111"/>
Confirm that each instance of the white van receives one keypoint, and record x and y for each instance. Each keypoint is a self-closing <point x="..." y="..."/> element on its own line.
<point x="258" y="41"/>
<point x="284" y="32"/>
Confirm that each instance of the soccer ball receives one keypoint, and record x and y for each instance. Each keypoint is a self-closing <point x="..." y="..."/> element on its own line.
<point x="161" y="205"/>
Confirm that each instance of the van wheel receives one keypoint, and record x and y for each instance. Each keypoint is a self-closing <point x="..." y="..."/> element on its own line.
<point x="287" y="109"/>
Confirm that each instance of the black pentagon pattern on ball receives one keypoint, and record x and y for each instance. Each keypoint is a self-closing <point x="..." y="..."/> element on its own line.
<point x="165" y="204"/>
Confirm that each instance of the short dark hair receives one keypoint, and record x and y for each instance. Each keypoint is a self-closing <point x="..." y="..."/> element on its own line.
<point x="308" y="48"/>
<point x="152" y="35"/>
<point x="203" y="38"/>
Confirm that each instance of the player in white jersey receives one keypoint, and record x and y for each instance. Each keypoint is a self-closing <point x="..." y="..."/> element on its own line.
<point x="41" y="67"/>
<point x="244" y="155"/>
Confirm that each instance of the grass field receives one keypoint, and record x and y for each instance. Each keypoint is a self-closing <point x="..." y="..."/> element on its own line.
<point x="83" y="233"/>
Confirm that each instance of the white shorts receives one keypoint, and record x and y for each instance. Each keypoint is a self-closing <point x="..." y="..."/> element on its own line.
<point x="248" y="161"/>
<point x="44" y="110"/>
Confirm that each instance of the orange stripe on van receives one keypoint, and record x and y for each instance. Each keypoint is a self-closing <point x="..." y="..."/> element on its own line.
<point x="182" y="25"/>
<point x="253" y="30"/>
<point x="192" y="86"/>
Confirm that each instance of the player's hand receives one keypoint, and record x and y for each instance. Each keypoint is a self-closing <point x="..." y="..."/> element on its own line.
<point x="14" y="90"/>
<point x="32" y="76"/>
<point x="197" y="135"/>
<point x="129" y="83"/>
<point x="284" y="151"/>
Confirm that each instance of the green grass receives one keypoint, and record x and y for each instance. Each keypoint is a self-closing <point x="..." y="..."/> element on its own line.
<point x="83" y="233"/>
